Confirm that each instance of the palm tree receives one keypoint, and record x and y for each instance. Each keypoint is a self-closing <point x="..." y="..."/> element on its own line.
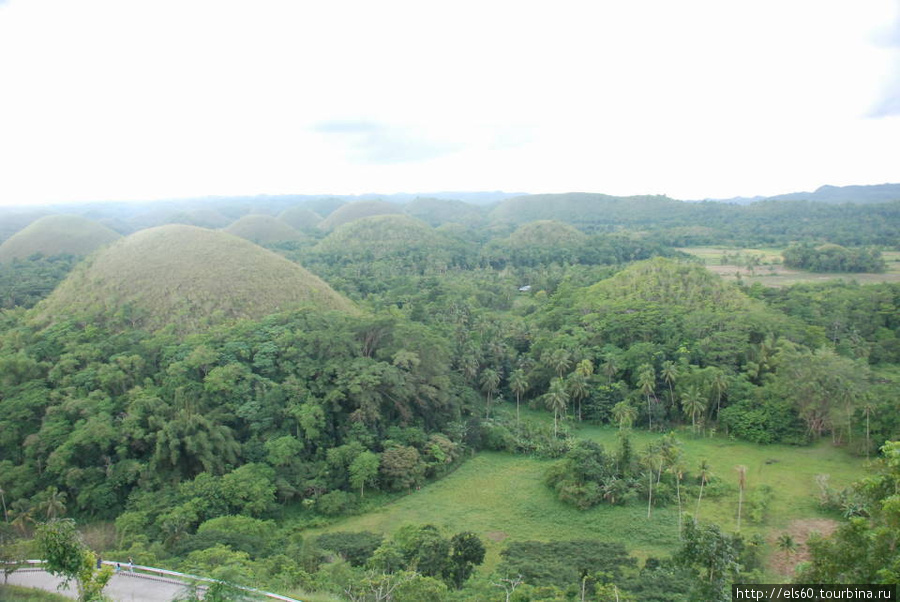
<point x="705" y="475"/>
<point x="786" y="543"/>
<point x="647" y="383"/>
<point x="610" y="369"/>
<point x="678" y="468"/>
<point x="651" y="458"/>
<point x="742" y="482"/>
<point x="624" y="414"/>
<point x="578" y="388"/>
<point x="868" y="408"/>
<point x="560" y="360"/>
<point x="692" y="402"/>
<point x="719" y="386"/>
<point x="490" y="380"/>
<point x="670" y="374"/>
<point x="53" y="502"/>
<point x="519" y="385"/>
<point x="556" y="399"/>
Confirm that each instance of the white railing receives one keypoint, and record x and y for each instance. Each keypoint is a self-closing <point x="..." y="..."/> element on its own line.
<point x="129" y="569"/>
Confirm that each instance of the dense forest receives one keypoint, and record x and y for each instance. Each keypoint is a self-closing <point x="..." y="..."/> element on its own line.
<point x="223" y="383"/>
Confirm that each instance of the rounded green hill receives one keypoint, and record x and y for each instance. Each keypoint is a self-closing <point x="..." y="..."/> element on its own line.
<point x="300" y="218"/>
<point x="546" y="233"/>
<point x="358" y="210"/>
<point x="188" y="278"/>
<point x="263" y="229"/>
<point x="57" y="235"/>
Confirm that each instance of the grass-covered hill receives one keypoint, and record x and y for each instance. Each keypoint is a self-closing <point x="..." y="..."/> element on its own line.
<point x="205" y="217"/>
<point x="57" y="235"/>
<point x="300" y="218"/>
<point x="545" y="233"/>
<point x="187" y="277"/>
<point x="378" y="237"/>
<point x="358" y="210"/>
<point x="588" y="211"/>
<point x="264" y="230"/>
<point x="443" y="211"/>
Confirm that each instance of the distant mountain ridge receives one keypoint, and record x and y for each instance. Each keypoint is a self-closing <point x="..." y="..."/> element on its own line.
<point x="869" y="194"/>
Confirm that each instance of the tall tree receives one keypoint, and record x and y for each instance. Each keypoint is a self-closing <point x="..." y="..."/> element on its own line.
<point x="742" y="483"/>
<point x="704" y="474"/>
<point x="693" y="403"/>
<point x="624" y="414"/>
<point x="490" y="382"/>
<point x="646" y="382"/>
<point x="560" y="360"/>
<point x="669" y="374"/>
<point x="518" y="383"/>
<point x="578" y="388"/>
<point x="556" y="399"/>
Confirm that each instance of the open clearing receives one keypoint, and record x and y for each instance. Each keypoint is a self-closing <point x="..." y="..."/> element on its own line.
<point x="503" y="497"/>
<point x="764" y="266"/>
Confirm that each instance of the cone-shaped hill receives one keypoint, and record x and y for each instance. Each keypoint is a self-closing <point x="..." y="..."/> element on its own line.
<point x="663" y="302"/>
<point x="390" y="237"/>
<point x="378" y="237"/>
<point x="588" y="211"/>
<point x="546" y="233"/>
<point x="57" y="235"/>
<point x="204" y="217"/>
<point x="186" y="277"/>
<point x="358" y="210"/>
<point x="439" y="211"/>
<point x="300" y="218"/>
<point x="264" y="230"/>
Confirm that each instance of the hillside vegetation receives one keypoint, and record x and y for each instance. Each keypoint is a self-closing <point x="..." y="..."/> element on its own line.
<point x="264" y="230"/>
<point x="300" y="218"/>
<point x="187" y="277"/>
<point x="357" y="210"/>
<point x="57" y="235"/>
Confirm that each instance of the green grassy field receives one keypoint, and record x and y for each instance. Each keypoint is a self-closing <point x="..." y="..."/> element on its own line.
<point x="768" y="271"/>
<point x="502" y="496"/>
<point x="13" y="593"/>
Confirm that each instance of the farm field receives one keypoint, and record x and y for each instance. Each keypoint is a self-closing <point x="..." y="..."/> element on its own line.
<point x="502" y="496"/>
<point x="763" y="265"/>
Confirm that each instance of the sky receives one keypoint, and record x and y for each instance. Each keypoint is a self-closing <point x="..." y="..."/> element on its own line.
<point x="139" y="100"/>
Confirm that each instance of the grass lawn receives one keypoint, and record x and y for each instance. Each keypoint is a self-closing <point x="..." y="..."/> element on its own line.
<point x="502" y="496"/>
<point x="14" y="593"/>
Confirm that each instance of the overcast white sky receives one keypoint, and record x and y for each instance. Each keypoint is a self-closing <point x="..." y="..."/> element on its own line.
<point x="120" y="99"/>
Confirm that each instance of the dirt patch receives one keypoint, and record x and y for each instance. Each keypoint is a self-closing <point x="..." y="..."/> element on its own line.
<point x="783" y="562"/>
<point x="497" y="535"/>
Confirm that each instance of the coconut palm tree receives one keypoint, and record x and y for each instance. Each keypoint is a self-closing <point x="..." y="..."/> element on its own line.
<point x="704" y="474"/>
<point x="560" y="360"/>
<point x="647" y="384"/>
<point x="693" y="403"/>
<point x="868" y="409"/>
<point x="556" y="399"/>
<point x="578" y="388"/>
<point x="490" y="381"/>
<point x="719" y="386"/>
<point x="670" y="374"/>
<point x="624" y="414"/>
<point x="519" y="385"/>
<point x="610" y="368"/>
<point x="742" y="482"/>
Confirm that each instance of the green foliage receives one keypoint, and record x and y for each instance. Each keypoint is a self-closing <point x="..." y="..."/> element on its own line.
<point x="833" y="258"/>
<point x="864" y="549"/>
<point x="24" y="282"/>
<point x="354" y="547"/>
<point x="66" y="555"/>
<point x="563" y="563"/>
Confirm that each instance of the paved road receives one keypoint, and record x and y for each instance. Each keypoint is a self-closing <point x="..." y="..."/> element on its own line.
<point x="123" y="587"/>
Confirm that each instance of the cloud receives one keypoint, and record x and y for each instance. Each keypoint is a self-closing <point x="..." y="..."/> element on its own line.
<point x="383" y="144"/>
<point x="888" y="104"/>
